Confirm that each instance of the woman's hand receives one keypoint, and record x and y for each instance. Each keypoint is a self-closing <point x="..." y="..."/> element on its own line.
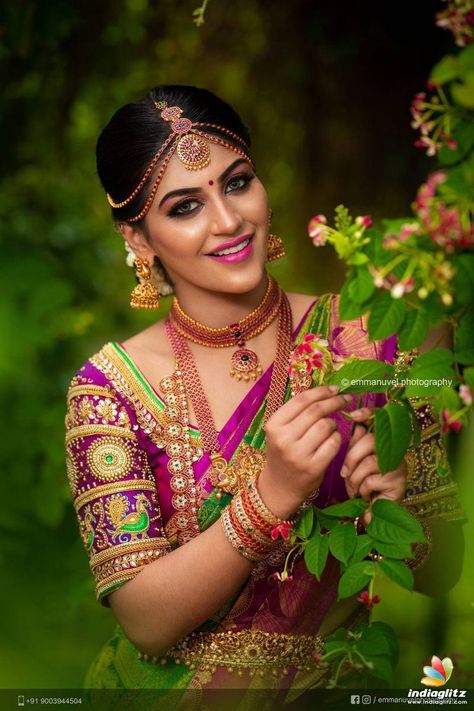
<point x="361" y="471"/>
<point x="301" y="441"/>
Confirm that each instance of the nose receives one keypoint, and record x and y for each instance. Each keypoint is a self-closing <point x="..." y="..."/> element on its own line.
<point x="225" y="218"/>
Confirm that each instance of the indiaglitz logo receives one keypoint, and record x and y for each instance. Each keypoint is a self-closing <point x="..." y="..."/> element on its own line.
<point x="438" y="673"/>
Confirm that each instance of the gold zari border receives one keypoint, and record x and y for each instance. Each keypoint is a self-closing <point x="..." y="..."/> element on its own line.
<point x="101" y="390"/>
<point x="90" y="430"/>
<point x="128" y="548"/>
<point x="114" y="488"/>
<point x="129" y="571"/>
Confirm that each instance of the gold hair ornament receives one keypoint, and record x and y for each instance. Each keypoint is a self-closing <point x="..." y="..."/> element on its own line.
<point x="190" y="143"/>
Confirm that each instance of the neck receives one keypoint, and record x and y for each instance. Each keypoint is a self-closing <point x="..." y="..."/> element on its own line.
<point x="219" y="309"/>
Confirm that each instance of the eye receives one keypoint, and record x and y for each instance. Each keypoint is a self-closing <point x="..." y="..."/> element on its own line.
<point x="183" y="208"/>
<point x="240" y="182"/>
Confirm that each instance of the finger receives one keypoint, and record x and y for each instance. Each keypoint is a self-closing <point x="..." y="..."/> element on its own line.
<point x="370" y="485"/>
<point x="287" y="412"/>
<point x="327" y="451"/>
<point x="359" y="432"/>
<point x="314" y="412"/>
<point x="354" y="456"/>
<point x="369" y="465"/>
<point x="317" y="433"/>
<point x="362" y="414"/>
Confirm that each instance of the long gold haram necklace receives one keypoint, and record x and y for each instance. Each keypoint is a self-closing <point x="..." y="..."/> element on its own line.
<point x="244" y="361"/>
<point x="220" y="474"/>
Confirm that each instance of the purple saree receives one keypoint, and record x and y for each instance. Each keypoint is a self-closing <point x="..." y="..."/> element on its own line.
<point x="137" y="498"/>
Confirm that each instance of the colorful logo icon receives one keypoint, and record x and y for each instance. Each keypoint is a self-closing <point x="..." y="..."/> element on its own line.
<point x="438" y="673"/>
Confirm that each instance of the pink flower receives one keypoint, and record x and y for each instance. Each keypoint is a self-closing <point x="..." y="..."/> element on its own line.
<point x="408" y="229"/>
<point x="317" y="231"/>
<point x="465" y="393"/>
<point x="283" y="530"/>
<point x="282" y="577"/>
<point x="368" y="601"/>
<point x="448" y="423"/>
<point x="364" y="221"/>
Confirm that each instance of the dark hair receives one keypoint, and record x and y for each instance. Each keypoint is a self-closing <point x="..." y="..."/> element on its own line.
<point x="136" y="132"/>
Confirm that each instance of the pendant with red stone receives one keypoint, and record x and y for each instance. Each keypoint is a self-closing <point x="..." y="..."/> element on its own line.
<point x="245" y="365"/>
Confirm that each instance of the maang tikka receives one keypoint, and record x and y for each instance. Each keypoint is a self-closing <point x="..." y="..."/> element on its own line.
<point x="275" y="244"/>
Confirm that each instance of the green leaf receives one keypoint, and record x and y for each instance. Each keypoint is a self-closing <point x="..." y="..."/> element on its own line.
<point x="414" y="330"/>
<point x="349" y="309"/>
<point x="392" y="435"/>
<point x="386" y="316"/>
<point x="381" y="668"/>
<point x="358" y="259"/>
<point x="327" y="522"/>
<point x="399" y="572"/>
<point x="362" y="372"/>
<point x="464" y="341"/>
<point x="463" y="280"/>
<point x="394" y="550"/>
<point x="350" y="508"/>
<point x="355" y="578"/>
<point x="316" y="553"/>
<point x="429" y="373"/>
<point x="304" y="525"/>
<point x="392" y="523"/>
<point x="469" y="377"/>
<point x="374" y="642"/>
<point x="463" y="94"/>
<point x="446" y="70"/>
<point x="449" y="399"/>
<point x="364" y="545"/>
<point x="342" y="541"/>
<point x="362" y="287"/>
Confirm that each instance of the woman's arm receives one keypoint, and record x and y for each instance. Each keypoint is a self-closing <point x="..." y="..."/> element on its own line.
<point x="178" y="592"/>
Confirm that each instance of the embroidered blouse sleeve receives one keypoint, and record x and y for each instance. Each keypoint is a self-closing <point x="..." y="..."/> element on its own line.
<point x="112" y="484"/>
<point x="431" y="492"/>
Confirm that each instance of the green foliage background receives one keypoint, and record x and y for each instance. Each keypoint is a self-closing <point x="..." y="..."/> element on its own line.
<point x="326" y="92"/>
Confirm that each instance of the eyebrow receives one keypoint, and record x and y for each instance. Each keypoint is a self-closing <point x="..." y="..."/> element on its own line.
<point x="193" y="191"/>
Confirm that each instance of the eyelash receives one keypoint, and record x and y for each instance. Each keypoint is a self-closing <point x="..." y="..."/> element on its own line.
<point x="246" y="177"/>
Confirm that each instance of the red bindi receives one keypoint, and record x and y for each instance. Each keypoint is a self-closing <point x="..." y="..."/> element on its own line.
<point x="211" y="182"/>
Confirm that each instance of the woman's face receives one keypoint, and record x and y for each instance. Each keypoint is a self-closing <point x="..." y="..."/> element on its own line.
<point x="196" y="214"/>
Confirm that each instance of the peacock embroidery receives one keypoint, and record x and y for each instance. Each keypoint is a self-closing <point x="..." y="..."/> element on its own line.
<point x="128" y="526"/>
<point x="87" y="529"/>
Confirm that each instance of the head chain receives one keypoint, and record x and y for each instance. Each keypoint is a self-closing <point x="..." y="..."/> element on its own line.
<point x="187" y="141"/>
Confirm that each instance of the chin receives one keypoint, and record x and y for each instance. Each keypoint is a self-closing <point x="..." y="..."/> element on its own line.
<point x="240" y="282"/>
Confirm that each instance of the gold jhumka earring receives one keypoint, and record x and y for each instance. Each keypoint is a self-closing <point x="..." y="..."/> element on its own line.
<point x="275" y="244"/>
<point x="144" y="295"/>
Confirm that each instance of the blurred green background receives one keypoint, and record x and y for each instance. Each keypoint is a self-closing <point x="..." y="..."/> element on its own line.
<point x="325" y="89"/>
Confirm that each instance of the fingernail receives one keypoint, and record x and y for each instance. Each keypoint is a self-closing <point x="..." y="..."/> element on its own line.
<point x="344" y="471"/>
<point x="347" y="397"/>
<point x="334" y="388"/>
<point x="356" y="413"/>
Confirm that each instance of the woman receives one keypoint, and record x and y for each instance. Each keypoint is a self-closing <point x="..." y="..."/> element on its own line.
<point x="188" y="446"/>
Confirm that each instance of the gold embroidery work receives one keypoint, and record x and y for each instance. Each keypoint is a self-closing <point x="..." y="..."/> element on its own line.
<point x="251" y="650"/>
<point x="131" y="523"/>
<point x="110" y="458"/>
<point x="114" y="488"/>
<point x="125" y="563"/>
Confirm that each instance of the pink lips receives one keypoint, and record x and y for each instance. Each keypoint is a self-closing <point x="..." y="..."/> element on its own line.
<point x="237" y="256"/>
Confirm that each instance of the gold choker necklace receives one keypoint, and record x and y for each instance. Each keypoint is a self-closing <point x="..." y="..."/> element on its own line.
<point x="244" y="361"/>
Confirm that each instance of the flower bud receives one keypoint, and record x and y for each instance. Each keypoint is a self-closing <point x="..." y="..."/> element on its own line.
<point x="397" y="290"/>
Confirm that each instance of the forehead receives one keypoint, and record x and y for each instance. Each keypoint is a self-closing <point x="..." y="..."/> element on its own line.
<point x="178" y="176"/>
